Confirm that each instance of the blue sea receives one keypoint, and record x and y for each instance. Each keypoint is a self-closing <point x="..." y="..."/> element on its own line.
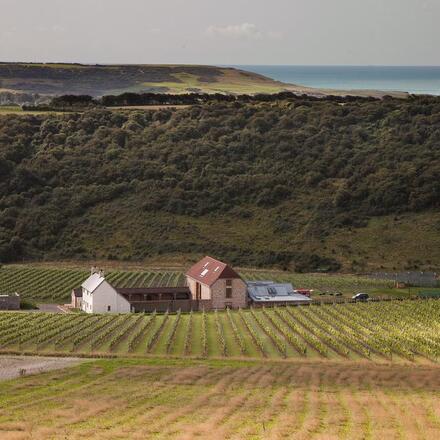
<point x="413" y="79"/>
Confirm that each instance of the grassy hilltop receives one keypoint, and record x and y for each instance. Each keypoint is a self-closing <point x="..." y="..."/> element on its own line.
<point x="97" y="80"/>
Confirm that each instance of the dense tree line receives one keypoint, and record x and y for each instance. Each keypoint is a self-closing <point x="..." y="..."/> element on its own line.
<point x="341" y="162"/>
<point x="79" y="102"/>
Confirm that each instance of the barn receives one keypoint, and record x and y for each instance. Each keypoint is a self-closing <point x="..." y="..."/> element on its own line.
<point x="217" y="284"/>
<point x="97" y="295"/>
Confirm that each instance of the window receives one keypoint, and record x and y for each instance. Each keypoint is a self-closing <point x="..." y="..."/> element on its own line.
<point x="229" y="289"/>
<point x="109" y="308"/>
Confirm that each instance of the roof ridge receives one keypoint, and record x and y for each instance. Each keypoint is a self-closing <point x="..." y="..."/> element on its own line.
<point x="215" y="259"/>
<point x="208" y="270"/>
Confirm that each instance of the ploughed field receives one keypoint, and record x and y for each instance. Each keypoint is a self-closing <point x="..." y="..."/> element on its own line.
<point x="184" y="399"/>
<point x="401" y="331"/>
<point x="43" y="284"/>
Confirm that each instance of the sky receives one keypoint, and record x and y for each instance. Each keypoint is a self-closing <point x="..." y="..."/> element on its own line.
<point x="222" y="32"/>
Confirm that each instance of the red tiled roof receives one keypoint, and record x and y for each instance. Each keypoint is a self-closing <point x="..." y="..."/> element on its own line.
<point x="208" y="270"/>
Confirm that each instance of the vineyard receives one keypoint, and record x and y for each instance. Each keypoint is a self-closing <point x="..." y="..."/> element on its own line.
<point x="186" y="399"/>
<point x="399" y="330"/>
<point x="55" y="285"/>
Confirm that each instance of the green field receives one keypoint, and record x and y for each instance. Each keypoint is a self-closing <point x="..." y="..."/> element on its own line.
<point x="7" y="109"/>
<point x="382" y="331"/>
<point x="50" y="284"/>
<point x="186" y="399"/>
<point x="15" y="109"/>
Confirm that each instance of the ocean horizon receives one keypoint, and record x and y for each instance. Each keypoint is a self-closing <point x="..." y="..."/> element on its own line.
<point x="411" y="79"/>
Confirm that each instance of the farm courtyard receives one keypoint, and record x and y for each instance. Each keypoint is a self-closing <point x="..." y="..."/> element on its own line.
<point x="185" y="399"/>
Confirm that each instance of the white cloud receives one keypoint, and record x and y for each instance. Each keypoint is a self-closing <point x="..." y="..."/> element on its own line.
<point x="241" y="31"/>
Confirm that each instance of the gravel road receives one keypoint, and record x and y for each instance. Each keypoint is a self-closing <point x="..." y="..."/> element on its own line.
<point x="16" y="366"/>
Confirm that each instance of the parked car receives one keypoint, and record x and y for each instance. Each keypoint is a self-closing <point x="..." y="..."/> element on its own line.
<point x="361" y="297"/>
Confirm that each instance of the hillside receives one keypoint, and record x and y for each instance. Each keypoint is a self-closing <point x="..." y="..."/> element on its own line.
<point x="97" y="80"/>
<point x="309" y="185"/>
<point x="27" y="82"/>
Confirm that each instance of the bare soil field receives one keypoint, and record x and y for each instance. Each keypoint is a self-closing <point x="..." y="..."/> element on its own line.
<point x="162" y="399"/>
<point x="19" y="366"/>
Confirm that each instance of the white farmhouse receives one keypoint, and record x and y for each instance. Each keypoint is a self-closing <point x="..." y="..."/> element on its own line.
<point x="99" y="296"/>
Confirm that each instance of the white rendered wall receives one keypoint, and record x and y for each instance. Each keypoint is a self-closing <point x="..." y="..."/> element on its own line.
<point x="103" y="297"/>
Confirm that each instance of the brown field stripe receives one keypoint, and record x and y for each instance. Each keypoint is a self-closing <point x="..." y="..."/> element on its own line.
<point x="231" y="405"/>
<point x="31" y="399"/>
<point x="154" y="425"/>
<point x="79" y="419"/>
<point x="310" y="423"/>
<point x="135" y="407"/>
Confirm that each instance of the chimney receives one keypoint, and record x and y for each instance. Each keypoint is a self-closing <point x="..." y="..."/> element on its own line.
<point x="101" y="273"/>
<point x="92" y="270"/>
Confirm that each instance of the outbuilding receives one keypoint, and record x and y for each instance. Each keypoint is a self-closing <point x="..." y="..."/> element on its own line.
<point x="76" y="298"/>
<point x="271" y="293"/>
<point x="10" y="301"/>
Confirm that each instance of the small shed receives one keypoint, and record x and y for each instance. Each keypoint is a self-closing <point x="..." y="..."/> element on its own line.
<point x="10" y="301"/>
<point x="76" y="297"/>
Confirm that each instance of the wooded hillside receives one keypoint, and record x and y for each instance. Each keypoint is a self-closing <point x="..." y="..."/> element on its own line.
<point x="310" y="184"/>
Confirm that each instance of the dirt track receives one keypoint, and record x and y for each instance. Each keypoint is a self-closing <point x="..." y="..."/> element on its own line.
<point x="16" y="366"/>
